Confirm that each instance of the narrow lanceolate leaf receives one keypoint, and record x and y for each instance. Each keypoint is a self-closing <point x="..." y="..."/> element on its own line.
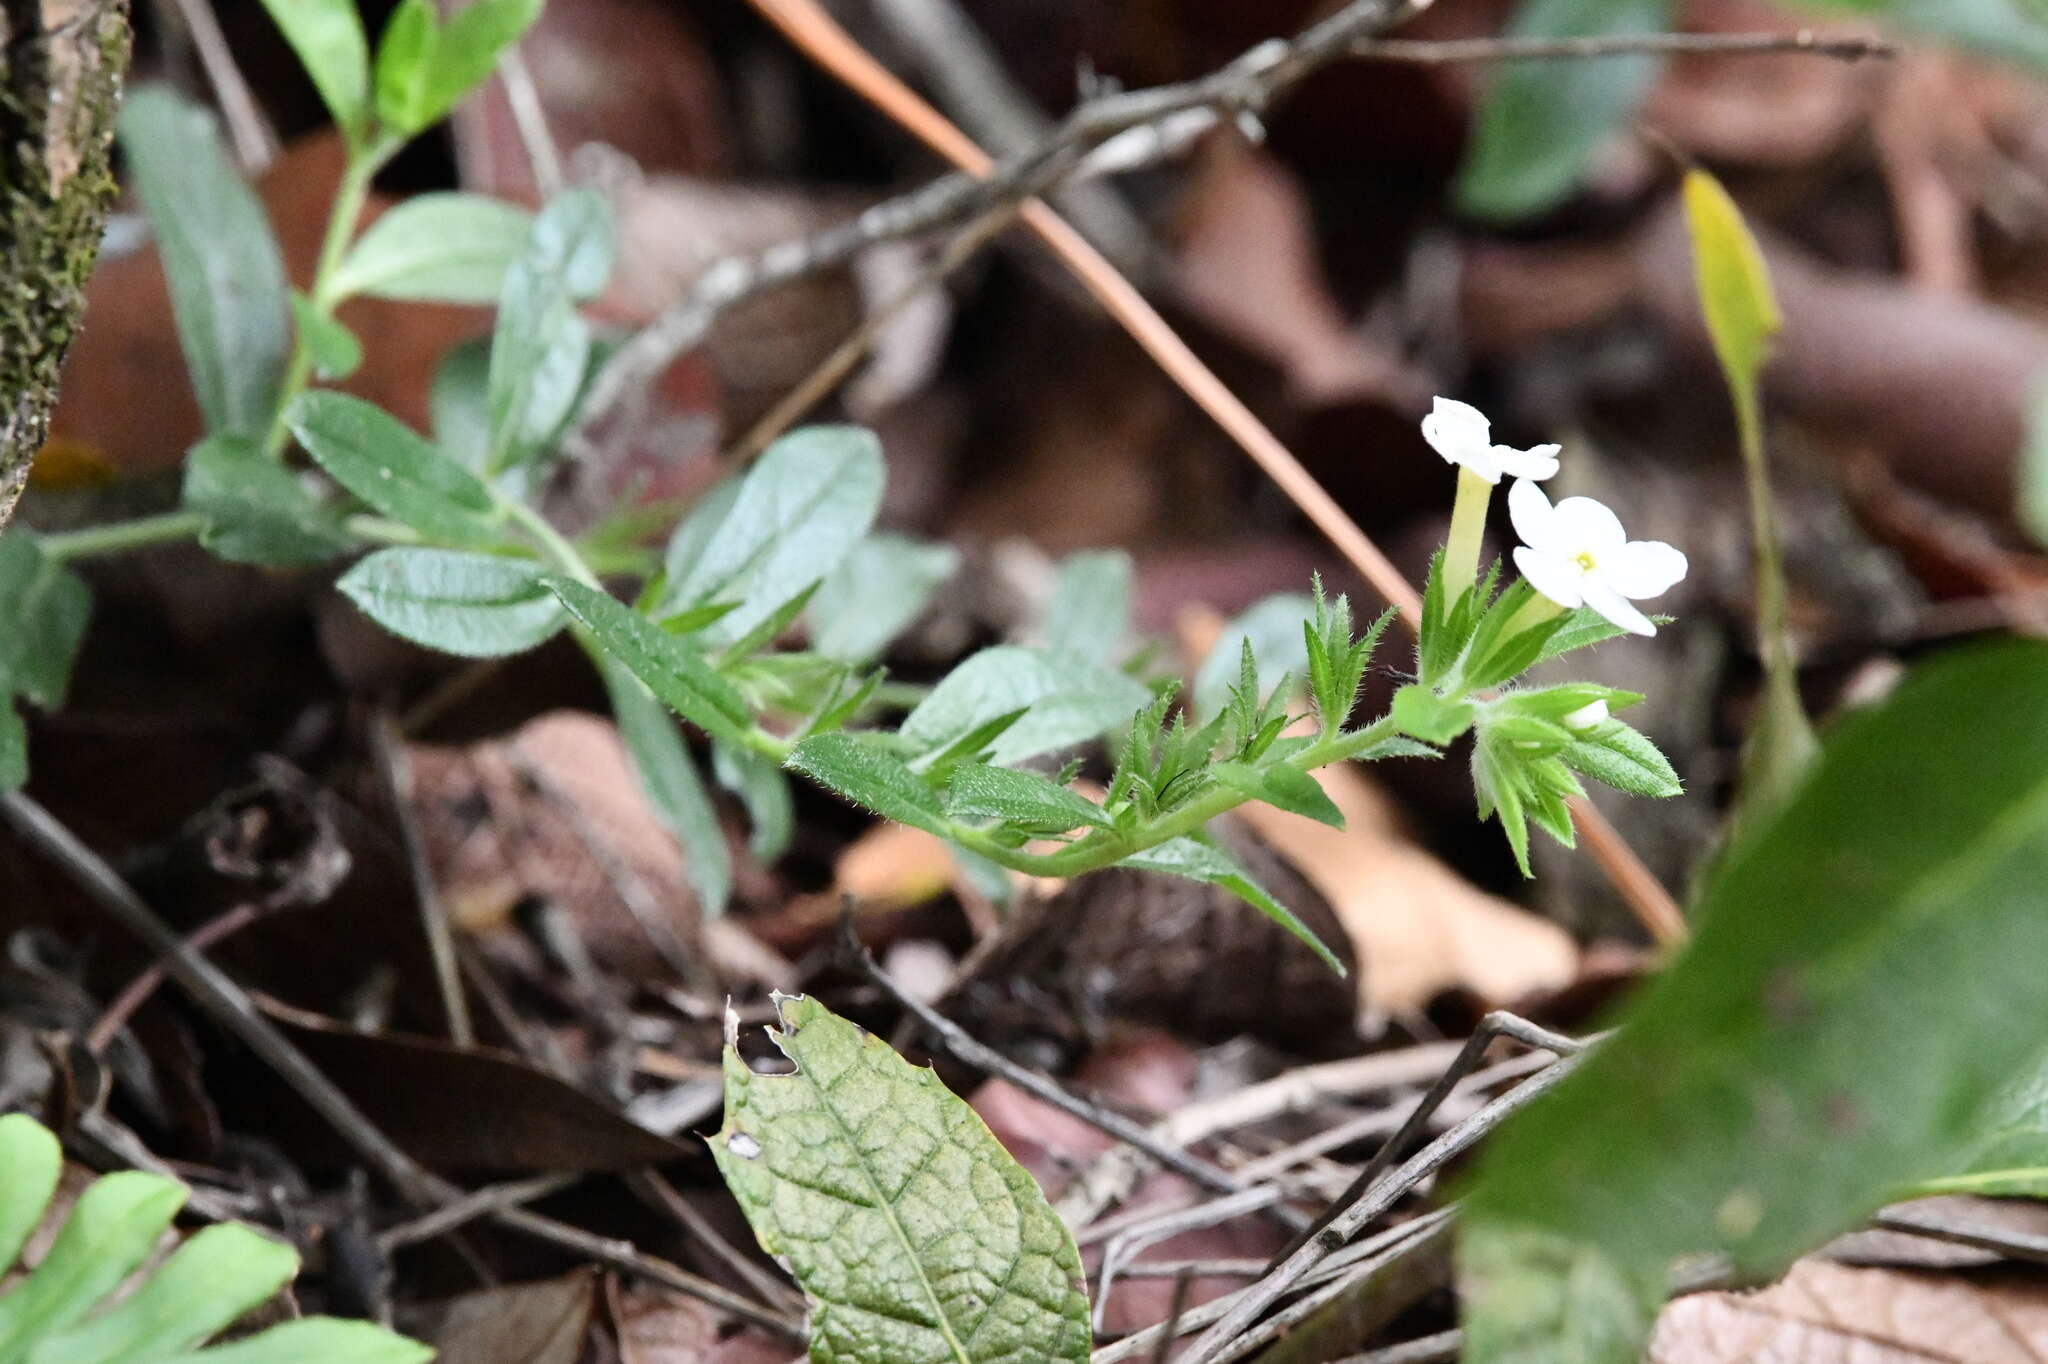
<point x="763" y="787"/>
<point x="1064" y="701"/>
<point x="1273" y="627"/>
<point x="110" y="1230"/>
<point x="1625" y="760"/>
<point x="1023" y="800"/>
<point x="1286" y="788"/>
<point x="859" y="770"/>
<point x="44" y="609"/>
<point x="226" y="274"/>
<point x="669" y="776"/>
<point x="1090" y="612"/>
<point x="915" y="1235"/>
<point x="1542" y="122"/>
<point x="210" y="1281"/>
<point x="257" y="511"/>
<point x="1864" y="982"/>
<point x="437" y="248"/>
<point x="1199" y="862"/>
<point x="328" y="37"/>
<point x="424" y="68"/>
<point x="1742" y="318"/>
<point x="799" y="512"/>
<point x="475" y="605"/>
<point x="335" y="351"/>
<point x="673" y="670"/>
<point x="390" y="466"/>
<point x="33" y="1159"/>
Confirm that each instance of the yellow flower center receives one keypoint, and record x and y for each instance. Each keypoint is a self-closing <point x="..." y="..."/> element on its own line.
<point x="1584" y="559"/>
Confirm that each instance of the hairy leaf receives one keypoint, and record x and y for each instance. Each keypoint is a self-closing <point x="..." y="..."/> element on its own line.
<point x="225" y="271"/>
<point x="1860" y="988"/>
<point x="861" y="771"/>
<point x="673" y="670"/>
<point x="541" y="349"/>
<point x="257" y="511"/>
<point x="442" y="248"/>
<point x="388" y="465"/>
<point x="1023" y="800"/>
<point x="475" y="605"/>
<point x="915" y="1235"/>
<point x="1065" y="701"/>
<point x="669" y="776"/>
<point x="1196" y="861"/>
<point x="876" y="593"/>
<point x="1283" y="787"/>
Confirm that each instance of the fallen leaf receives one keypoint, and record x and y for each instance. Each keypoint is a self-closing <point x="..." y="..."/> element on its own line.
<point x="528" y="1323"/>
<point x="657" y="1326"/>
<point x="1831" y="1314"/>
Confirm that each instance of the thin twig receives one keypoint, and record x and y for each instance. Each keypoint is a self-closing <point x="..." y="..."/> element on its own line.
<point x="394" y="772"/>
<point x="766" y="1286"/>
<point x="1158" y="1228"/>
<point x="255" y="141"/>
<point x="1393" y="1186"/>
<point x="2017" y="1245"/>
<point x="957" y="1040"/>
<point x="109" y="1024"/>
<point x="1441" y="52"/>
<point x="532" y="122"/>
<point x="1244" y="86"/>
<point x="462" y="1211"/>
<point x="1444" y="1345"/>
<point x="1174" y="1309"/>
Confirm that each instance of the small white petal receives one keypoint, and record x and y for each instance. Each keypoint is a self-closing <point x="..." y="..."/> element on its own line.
<point x="1611" y="604"/>
<point x="1531" y="512"/>
<point x="1592" y="715"/>
<point x="1553" y="575"/>
<point x="1462" y="435"/>
<point x="1591" y="528"/>
<point x="1645" y="568"/>
<point x="1537" y="462"/>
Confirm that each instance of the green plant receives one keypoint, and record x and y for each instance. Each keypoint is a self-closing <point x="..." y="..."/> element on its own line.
<point x="63" y="1312"/>
<point x="463" y="559"/>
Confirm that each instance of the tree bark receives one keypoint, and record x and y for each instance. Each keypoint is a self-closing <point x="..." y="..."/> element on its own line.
<point x="61" y="63"/>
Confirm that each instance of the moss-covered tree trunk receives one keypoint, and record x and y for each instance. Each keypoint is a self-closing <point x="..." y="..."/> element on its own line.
<point x="61" y="63"/>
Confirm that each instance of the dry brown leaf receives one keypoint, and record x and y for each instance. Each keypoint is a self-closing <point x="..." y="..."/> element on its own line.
<point x="528" y="1323"/>
<point x="657" y="1326"/>
<point x="1420" y="928"/>
<point x="1826" y="1313"/>
<point x="894" y="864"/>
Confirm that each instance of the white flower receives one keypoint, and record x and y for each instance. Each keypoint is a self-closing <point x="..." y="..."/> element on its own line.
<point x="1588" y="717"/>
<point x="1462" y="435"/>
<point x="1576" y="553"/>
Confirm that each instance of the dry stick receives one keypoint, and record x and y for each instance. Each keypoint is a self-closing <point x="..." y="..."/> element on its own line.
<point x="532" y="122"/>
<point x="957" y="1040"/>
<point x="254" y="139"/>
<point x="1496" y="1024"/>
<point x="462" y="1211"/>
<point x="1283" y="1323"/>
<point x="1443" y="52"/>
<point x="766" y="1286"/>
<point x="2019" y="1245"/>
<point x="1246" y="84"/>
<point x="229" y="1005"/>
<point x="394" y="773"/>
<point x="1171" y="1325"/>
<point x="1444" y="1345"/>
<point x="137" y="993"/>
<point x="1160" y="1226"/>
<point x="1254" y="1301"/>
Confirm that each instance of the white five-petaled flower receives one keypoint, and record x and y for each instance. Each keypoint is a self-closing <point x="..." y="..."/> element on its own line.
<point x="1577" y="554"/>
<point x="1463" y="436"/>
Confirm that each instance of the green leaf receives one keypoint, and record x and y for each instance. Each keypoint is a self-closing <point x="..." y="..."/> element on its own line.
<point x="1196" y="861"/>
<point x="1862" y="985"/>
<point x="2008" y="1156"/>
<point x="475" y="605"/>
<point x="13" y="755"/>
<point x="674" y="671"/>
<point x="1422" y="714"/>
<point x="424" y="69"/>
<point x="915" y="1235"/>
<point x="436" y="248"/>
<point x="540" y="352"/>
<point x="1066" y="701"/>
<point x="858" y="769"/>
<point x="461" y="403"/>
<point x="1023" y="800"/>
<point x="225" y="272"/>
<point x="112" y="1228"/>
<point x="328" y="37"/>
<point x="1541" y="122"/>
<point x="257" y="511"/>
<point x="44" y="609"/>
<point x="1089" y="615"/>
<point x="388" y="465"/>
<point x="876" y="593"/>
<point x="799" y="512"/>
<point x="1283" y="787"/>
<point x="1734" y="287"/>
<point x="669" y="776"/>
<point x="314" y="1340"/>
<point x="208" y="1282"/>
<point x="1624" y="759"/>
<point x="33" y="1160"/>
<point x="336" y="352"/>
<point x="1274" y="628"/>
<point x="1582" y="629"/>
<point x="764" y="789"/>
